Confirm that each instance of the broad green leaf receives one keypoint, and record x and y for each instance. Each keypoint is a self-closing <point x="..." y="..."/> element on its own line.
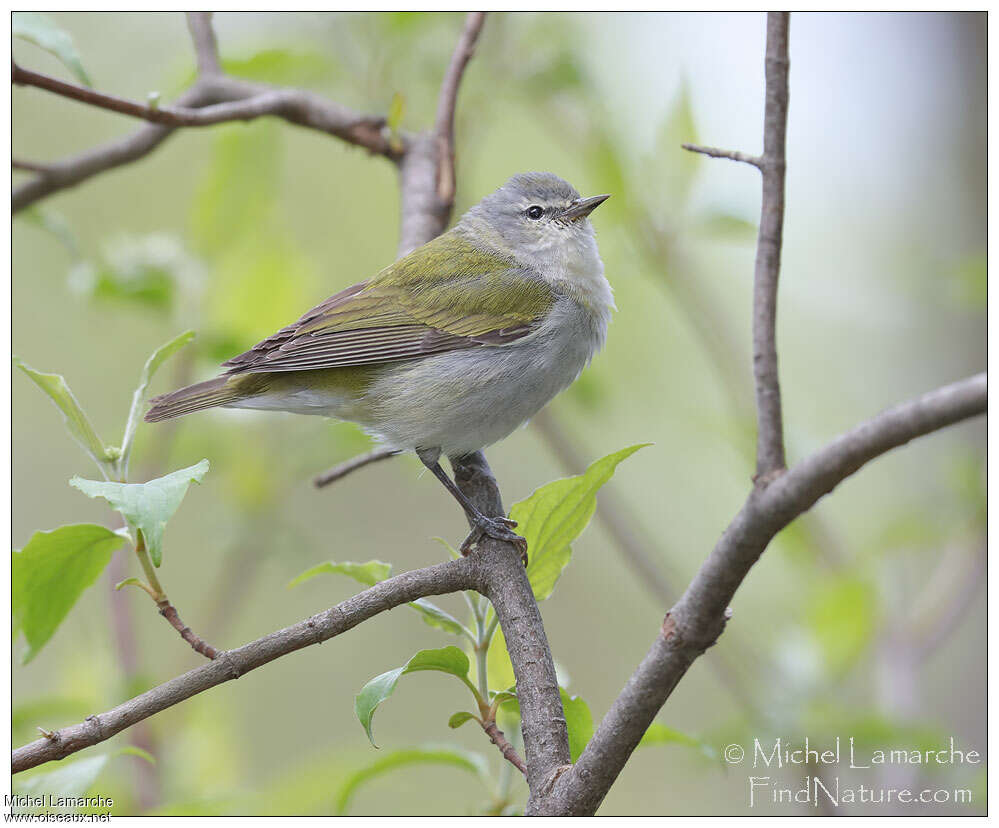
<point x="49" y="574"/>
<point x="458" y="719"/>
<point x="660" y="734"/>
<point x="841" y="619"/>
<point x="44" y="33"/>
<point x="146" y="506"/>
<point x="76" y="420"/>
<point x="474" y="763"/>
<point x="78" y="777"/>
<point x="447" y="660"/>
<point x="578" y="719"/>
<point x="579" y="722"/>
<point x="555" y="515"/>
<point x="72" y="779"/>
<point x="373" y="572"/>
<point x="434" y="616"/>
<point x="159" y="356"/>
<point x="498" y="662"/>
<point x="368" y="573"/>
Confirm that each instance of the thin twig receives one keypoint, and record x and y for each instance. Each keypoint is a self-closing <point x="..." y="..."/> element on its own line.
<point x="770" y="427"/>
<point x="169" y="612"/>
<point x="30" y="166"/>
<point x="447" y="102"/>
<point x="509" y="751"/>
<point x="731" y="155"/>
<point x="343" y="469"/>
<point x="293" y="104"/>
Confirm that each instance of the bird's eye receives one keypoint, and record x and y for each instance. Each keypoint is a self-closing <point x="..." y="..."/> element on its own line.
<point x="535" y="212"/>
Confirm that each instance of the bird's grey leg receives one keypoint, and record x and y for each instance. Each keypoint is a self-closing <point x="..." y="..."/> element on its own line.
<point x="499" y="528"/>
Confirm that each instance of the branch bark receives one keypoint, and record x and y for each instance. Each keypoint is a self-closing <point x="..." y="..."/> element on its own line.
<point x="697" y="619"/>
<point x="770" y="427"/>
<point x="450" y="576"/>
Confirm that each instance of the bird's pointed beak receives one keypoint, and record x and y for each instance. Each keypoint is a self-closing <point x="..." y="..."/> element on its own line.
<point x="584" y="206"/>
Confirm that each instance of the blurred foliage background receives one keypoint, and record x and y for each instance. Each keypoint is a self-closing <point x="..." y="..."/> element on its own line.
<point x="864" y="619"/>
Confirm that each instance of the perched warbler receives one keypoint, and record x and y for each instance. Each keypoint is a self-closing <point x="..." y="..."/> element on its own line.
<point x="449" y="349"/>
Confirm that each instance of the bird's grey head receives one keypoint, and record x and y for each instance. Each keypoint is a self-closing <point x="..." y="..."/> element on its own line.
<point x="537" y="216"/>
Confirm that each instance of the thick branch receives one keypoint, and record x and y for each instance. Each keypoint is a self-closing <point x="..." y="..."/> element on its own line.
<point x="770" y="428"/>
<point x="447" y="102"/>
<point x="428" y="162"/>
<point x="546" y="738"/>
<point x="697" y="619"/>
<point x="450" y="576"/>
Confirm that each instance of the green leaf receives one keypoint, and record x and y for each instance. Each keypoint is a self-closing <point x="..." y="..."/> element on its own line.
<point x="660" y="734"/>
<point x="49" y="574"/>
<point x="369" y="573"/>
<point x="132" y="750"/>
<point x="579" y="722"/>
<point x="500" y="669"/>
<point x="72" y="779"/>
<point x="458" y="719"/>
<point x="76" y="778"/>
<point x="146" y="506"/>
<point x="578" y="719"/>
<point x="434" y="616"/>
<point x="159" y="356"/>
<point x="555" y="515"/>
<point x="76" y="420"/>
<point x="43" y="32"/>
<point x="474" y="763"/>
<point x="447" y="660"/>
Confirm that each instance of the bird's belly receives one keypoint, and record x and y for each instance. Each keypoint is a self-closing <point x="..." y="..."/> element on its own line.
<point x="462" y="401"/>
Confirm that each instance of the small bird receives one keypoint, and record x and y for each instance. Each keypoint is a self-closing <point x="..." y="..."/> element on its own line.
<point x="449" y="349"/>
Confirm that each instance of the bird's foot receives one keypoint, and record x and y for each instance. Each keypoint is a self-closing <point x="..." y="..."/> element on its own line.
<point x="499" y="528"/>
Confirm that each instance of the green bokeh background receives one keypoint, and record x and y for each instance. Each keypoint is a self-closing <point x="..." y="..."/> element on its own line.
<point x="235" y="230"/>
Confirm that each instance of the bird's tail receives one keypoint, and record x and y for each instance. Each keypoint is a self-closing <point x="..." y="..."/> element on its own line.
<point x="214" y="392"/>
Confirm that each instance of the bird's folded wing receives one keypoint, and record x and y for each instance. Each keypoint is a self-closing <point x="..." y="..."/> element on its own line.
<point x="448" y="296"/>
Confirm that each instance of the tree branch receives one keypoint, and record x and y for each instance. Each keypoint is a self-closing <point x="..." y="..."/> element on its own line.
<point x="214" y="98"/>
<point x="241" y="101"/>
<point x="546" y="738"/>
<point x="697" y="619"/>
<point x="731" y="155"/>
<point x="450" y="576"/>
<point x="206" y="47"/>
<point x="447" y="102"/>
<point x="770" y="428"/>
<point x="343" y="469"/>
